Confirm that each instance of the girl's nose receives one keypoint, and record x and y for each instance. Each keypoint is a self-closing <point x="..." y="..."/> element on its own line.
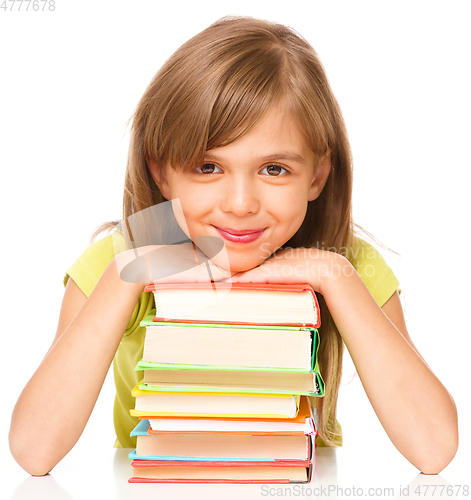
<point x="240" y="197"/>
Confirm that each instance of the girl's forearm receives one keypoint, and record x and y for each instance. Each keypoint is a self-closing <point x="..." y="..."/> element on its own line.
<point x="55" y="405"/>
<point x="415" y="409"/>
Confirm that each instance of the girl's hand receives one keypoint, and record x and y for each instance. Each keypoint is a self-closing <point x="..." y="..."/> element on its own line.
<point x="298" y="265"/>
<point x="183" y="263"/>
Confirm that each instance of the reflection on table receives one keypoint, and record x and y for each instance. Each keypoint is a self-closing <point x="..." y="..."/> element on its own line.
<point x="337" y="473"/>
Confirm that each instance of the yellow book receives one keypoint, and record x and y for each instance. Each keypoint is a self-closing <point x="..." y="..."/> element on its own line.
<point x="220" y="404"/>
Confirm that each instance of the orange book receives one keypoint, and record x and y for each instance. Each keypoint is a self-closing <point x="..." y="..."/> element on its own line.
<point x="278" y="472"/>
<point x="302" y="424"/>
<point x="236" y="303"/>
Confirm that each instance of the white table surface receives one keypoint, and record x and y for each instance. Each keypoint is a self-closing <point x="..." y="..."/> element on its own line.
<point x="343" y="472"/>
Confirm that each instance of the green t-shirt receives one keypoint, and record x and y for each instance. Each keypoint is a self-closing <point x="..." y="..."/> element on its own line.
<point x="88" y="268"/>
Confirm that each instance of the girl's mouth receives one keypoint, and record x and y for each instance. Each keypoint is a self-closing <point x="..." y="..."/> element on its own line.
<point x="240" y="236"/>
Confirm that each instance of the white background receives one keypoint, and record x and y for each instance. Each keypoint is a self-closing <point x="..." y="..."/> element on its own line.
<point x="70" y="81"/>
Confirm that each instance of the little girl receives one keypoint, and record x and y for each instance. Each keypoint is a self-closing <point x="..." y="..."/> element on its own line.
<point x="240" y="125"/>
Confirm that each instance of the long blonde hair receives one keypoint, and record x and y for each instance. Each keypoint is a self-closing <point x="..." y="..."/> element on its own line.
<point x="209" y="93"/>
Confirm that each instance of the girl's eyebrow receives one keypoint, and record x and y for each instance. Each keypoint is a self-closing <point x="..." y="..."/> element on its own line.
<point x="284" y="155"/>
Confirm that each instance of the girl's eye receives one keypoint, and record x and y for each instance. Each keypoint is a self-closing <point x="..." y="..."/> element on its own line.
<point x="207" y="168"/>
<point x="274" y="170"/>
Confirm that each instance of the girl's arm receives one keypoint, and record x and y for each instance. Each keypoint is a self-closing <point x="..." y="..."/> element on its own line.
<point x="72" y="373"/>
<point x="415" y="409"/>
<point x="54" y="407"/>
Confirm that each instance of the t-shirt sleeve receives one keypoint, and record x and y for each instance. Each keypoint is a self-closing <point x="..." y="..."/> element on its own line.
<point x="374" y="271"/>
<point x="88" y="268"/>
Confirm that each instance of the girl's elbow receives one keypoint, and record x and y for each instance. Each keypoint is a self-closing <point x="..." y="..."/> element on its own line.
<point x="434" y="463"/>
<point x="442" y="442"/>
<point x="30" y="460"/>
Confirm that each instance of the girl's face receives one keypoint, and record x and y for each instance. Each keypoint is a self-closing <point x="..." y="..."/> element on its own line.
<point x="252" y="193"/>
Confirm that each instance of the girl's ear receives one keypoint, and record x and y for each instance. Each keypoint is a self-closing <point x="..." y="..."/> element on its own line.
<point x="321" y="174"/>
<point x="160" y="178"/>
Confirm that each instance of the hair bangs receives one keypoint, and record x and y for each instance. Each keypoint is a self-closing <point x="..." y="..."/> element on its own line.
<point x="255" y="84"/>
<point x="216" y="106"/>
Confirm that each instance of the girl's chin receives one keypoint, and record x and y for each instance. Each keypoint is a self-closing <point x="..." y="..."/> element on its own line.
<point x="236" y="265"/>
<point x="241" y="268"/>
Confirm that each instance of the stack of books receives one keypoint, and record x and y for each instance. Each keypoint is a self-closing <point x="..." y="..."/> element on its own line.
<point x="228" y="373"/>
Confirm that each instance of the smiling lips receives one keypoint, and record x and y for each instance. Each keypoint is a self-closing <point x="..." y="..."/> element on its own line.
<point x="246" y="236"/>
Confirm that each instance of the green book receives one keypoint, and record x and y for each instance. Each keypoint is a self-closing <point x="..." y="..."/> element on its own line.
<point x="202" y="346"/>
<point x="237" y="381"/>
<point x="206" y="357"/>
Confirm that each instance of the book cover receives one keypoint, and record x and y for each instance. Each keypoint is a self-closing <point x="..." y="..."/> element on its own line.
<point x="228" y="287"/>
<point x="214" y="404"/>
<point x="222" y="447"/>
<point x="236" y="382"/>
<point x="246" y="347"/>
<point x="303" y="423"/>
